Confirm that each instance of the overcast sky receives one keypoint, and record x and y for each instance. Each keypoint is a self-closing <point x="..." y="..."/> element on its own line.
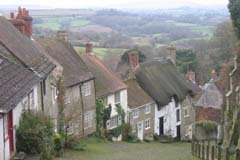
<point x="114" y="3"/>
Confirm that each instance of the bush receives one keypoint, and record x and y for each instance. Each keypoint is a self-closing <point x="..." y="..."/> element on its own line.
<point x="208" y="126"/>
<point x="32" y="130"/>
<point x="75" y="144"/>
<point x="58" y="145"/>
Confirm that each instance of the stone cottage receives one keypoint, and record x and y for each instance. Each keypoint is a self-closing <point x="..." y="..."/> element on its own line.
<point x="141" y="110"/>
<point x="17" y="94"/>
<point x="108" y="86"/>
<point x="80" y="106"/>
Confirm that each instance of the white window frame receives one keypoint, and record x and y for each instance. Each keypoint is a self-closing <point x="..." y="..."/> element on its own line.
<point x="135" y="113"/>
<point x="147" y="109"/>
<point x="54" y="93"/>
<point x="88" y="117"/>
<point x="105" y="101"/>
<point x="147" y="124"/>
<point x="67" y="99"/>
<point x="113" y="123"/>
<point x="86" y="89"/>
<point x="186" y="110"/>
<point x="117" y="101"/>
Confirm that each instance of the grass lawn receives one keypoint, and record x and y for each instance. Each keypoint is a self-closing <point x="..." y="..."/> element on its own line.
<point x="131" y="151"/>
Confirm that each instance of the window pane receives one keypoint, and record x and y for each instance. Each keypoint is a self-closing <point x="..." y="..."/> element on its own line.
<point x="117" y="98"/>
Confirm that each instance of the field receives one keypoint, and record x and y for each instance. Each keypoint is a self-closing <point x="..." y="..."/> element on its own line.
<point x="131" y="151"/>
<point x="101" y="53"/>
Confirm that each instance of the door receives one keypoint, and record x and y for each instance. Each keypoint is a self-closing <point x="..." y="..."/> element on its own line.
<point x="140" y="131"/>
<point x="179" y="133"/>
<point x="161" y="126"/>
<point x="10" y="132"/>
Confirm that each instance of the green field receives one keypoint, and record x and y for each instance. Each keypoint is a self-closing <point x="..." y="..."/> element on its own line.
<point x="102" y="52"/>
<point x="130" y="151"/>
<point x="56" y="22"/>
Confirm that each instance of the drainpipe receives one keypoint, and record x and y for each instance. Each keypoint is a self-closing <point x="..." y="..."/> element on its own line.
<point x="82" y="108"/>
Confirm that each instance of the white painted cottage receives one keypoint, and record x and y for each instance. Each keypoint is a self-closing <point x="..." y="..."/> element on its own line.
<point x="18" y="92"/>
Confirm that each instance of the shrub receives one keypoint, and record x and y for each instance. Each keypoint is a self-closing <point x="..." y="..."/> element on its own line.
<point x="208" y="126"/>
<point x="32" y="130"/>
<point x="75" y="144"/>
<point x="58" y="145"/>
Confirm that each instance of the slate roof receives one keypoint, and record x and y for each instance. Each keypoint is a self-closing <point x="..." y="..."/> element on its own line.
<point x="23" y="49"/>
<point x="16" y="82"/>
<point x="211" y="97"/>
<point x="106" y="82"/>
<point x="75" y="70"/>
<point x="161" y="80"/>
<point x="136" y="95"/>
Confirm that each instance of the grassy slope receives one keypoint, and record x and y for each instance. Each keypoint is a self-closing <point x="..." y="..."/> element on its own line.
<point x="132" y="151"/>
<point x="102" y="52"/>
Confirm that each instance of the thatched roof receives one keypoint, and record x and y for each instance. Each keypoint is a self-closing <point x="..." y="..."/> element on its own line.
<point x="161" y="80"/>
<point x="136" y="95"/>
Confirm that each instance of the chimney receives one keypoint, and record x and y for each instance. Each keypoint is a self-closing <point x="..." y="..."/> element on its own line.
<point x="171" y="54"/>
<point x="213" y="74"/>
<point x="12" y="15"/>
<point x="63" y="35"/>
<point x="191" y="76"/>
<point x="89" y="48"/>
<point x="133" y="59"/>
<point x="23" y="22"/>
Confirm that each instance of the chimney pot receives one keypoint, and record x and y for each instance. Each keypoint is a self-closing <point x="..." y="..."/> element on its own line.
<point x="89" y="48"/>
<point x="191" y="76"/>
<point x="213" y="74"/>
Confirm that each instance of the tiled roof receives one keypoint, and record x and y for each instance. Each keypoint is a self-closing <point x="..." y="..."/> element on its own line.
<point x="74" y="69"/>
<point x="136" y="95"/>
<point x="23" y="49"/>
<point x="106" y="82"/>
<point x="16" y="82"/>
<point x="161" y="80"/>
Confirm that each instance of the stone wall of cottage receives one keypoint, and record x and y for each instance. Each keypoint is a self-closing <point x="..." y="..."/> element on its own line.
<point x="76" y="104"/>
<point x="142" y="116"/>
<point x="187" y="119"/>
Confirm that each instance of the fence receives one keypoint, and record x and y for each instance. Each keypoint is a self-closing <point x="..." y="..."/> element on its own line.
<point x="210" y="150"/>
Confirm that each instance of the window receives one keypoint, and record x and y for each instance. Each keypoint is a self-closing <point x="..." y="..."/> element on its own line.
<point x="67" y="99"/>
<point x="114" y="122"/>
<point x="5" y="123"/>
<point x="147" y="124"/>
<point x="88" y="117"/>
<point x="31" y="100"/>
<point x="186" y="114"/>
<point x="117" y="98"/>
<point x="135" y="113"/>
<point x="178" y="115"/>
<point x="86" y="89"/>
<point x="148" y="109"/>
<point x="43" y="86"/>
<point x="54" y="94"/>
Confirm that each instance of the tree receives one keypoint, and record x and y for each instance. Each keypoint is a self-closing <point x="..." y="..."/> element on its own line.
<point x="234" y="9"/>
<point x="186" y="60"/>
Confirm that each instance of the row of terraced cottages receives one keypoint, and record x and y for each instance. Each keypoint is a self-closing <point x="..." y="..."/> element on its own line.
<point x="151" y="95"/>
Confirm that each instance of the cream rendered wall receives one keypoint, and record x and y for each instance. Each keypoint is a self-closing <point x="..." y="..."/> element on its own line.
<point x="170" y="118"/>
<point x="123" y="102"/>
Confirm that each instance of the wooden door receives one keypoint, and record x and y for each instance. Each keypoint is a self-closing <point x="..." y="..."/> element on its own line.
<point x="161" y="126"/>
<point x="10" y="132"/>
